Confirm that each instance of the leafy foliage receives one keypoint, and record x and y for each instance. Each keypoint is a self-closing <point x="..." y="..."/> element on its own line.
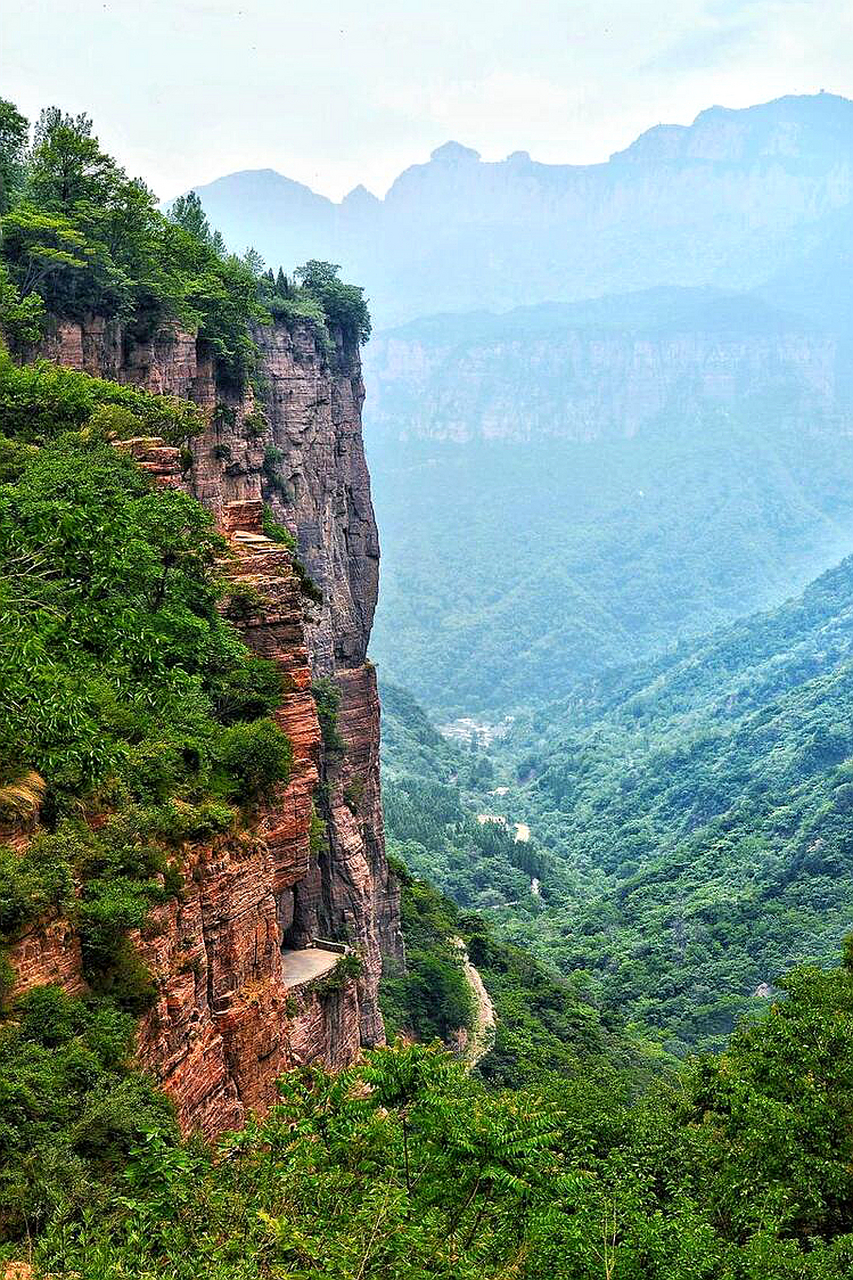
<point x="40" y="401"/>
<point x="327" y="699"/>
<point x="79" y="237"/>
<point x="406" y="1166"/>
<point x="127" y="696"/>
<point x="343" y="304"/>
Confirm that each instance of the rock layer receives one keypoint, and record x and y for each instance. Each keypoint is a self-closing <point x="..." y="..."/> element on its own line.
<point x="225" y="1024"/>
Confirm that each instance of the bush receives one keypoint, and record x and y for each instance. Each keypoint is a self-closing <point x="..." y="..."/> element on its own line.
<point x="256" y="423"/>
<point x="178" y="822"/>
<point x="253" y="757"/>
<point x="327" y="698"/>
<point x="109" y="908"/>
<point x="277" y="532"/>
<point x="71" y="1108"/>
<point x="354" y="793"/>
<point x="126" y="980"/>
<point x="32" y="882"/>
<point x="344" y="305"/>
<point x="242" y="601"/>
<point x="38" y="402"/>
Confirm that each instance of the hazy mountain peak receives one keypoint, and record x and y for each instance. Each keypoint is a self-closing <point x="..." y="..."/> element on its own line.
<point x="360" y="198"/>
<point x="730" y="200"/>
<point x="454" y="153"/>
<point x="812" y="125"/>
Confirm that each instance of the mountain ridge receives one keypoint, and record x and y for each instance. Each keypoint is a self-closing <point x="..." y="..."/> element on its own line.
<point x="725" y="200"/>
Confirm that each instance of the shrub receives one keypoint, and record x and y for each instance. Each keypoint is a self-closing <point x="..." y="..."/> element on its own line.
<point x="253" y="757"/>
<point x="178" y="822"/>
<point x="109" y="908"/>
<point x="242" y="601"/>
<point x="273" y="459"/>
<point x="248" y="692"/>
<point x="256" y="423"/>
<point x="277" y="532"/>
<point x="32" y="882"/>
<point x="115" y="422"/>
<point x="348" y="968"/>
<point x="7" y="979"/>
<point x="354" y="793"/>
<point x="307" y="585"/>
<point x="317" y="835"/>
<point x="126" y="980"/>
<point x="327" y="698"/>
<point x="40" y="401"/>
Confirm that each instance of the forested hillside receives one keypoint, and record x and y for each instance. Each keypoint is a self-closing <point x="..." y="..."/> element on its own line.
<point x="689" y="818"/>
<point x="703" y="801"/>
<point x="512" y="569"/>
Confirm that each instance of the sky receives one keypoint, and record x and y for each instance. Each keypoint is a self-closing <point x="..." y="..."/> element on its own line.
<point x="343" y="92"/>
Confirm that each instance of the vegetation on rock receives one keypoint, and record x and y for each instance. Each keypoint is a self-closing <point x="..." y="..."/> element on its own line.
<point x="78" y="238"/>
<point x="132" y="711"/>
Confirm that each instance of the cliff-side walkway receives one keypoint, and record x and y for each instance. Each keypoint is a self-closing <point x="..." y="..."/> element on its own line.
<point x="303" y="966"/>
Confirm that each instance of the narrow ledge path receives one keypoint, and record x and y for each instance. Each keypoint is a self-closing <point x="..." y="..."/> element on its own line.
<point x="303" y="966"/>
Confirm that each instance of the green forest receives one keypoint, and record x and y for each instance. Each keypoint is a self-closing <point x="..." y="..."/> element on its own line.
<point x="514" y="569"/>
<point x="738" y="1167"/>
<point x="689" y="817"/>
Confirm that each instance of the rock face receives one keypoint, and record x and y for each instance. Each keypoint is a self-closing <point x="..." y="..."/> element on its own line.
<point x="599" y="371"/>
<point x="226" y="1023"/>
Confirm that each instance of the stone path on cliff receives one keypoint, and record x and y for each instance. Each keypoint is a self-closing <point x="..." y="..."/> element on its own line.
<point x="302" y="966"/>
<point x="482" y="1035"/>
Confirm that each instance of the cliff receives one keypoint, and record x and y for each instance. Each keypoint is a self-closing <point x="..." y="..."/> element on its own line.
<point x="240" y="998"/>
<point x="604" y="369"/>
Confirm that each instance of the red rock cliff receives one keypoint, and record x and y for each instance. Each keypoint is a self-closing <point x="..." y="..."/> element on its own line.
<point x="231" y="1016"/>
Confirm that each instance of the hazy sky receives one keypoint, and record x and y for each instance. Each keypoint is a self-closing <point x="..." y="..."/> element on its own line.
<point x="337" y="92"/>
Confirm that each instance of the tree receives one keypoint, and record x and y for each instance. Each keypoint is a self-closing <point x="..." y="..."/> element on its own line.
<point x="67" y="163"/>
<point x="187" y="211"/>
<point x="14" y="131"/>
<point x="344" y="304"/>
<point x="253" y="261"/>
<point x="21" y="319"/>
<point x="40" y="246"/>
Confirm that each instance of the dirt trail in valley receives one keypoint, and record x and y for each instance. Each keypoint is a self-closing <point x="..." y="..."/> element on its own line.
<point x="482" y="1036"/>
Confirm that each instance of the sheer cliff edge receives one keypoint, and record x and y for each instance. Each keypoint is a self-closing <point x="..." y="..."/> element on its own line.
<point x="237" y="1002"/>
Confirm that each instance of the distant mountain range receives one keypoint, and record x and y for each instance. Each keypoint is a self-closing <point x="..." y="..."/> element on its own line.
<point x="733" y="200"/>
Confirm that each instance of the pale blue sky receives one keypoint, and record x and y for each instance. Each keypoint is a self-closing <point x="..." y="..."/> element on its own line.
<point x="347" y="91"/>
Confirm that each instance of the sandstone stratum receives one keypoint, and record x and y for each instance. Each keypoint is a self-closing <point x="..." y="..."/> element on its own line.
<point x="229" y="1017"/>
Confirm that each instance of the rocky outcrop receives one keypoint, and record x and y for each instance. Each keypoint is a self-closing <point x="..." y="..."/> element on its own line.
<point x="226" y="1022"/>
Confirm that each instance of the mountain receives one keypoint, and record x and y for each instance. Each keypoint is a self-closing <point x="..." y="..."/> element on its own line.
<point x="702" y="802"/>
<point x="568" y="487"/>
<point x="728" y="200"/>
<point x="599" y="368"/>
